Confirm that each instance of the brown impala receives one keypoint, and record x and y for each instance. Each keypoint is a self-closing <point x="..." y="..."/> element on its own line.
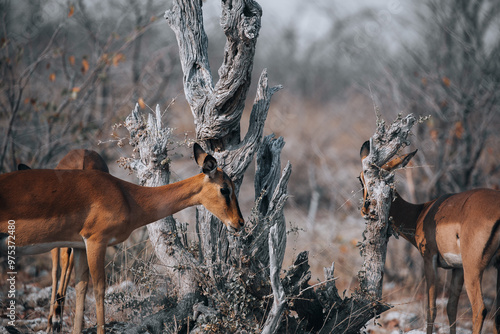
<point x="90" y="210"/>
<point x="62" y="258"/>
<point x="455" y="231"/>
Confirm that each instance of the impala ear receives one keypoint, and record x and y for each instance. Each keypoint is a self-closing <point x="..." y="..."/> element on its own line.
<point x="399" y="162"/>
<point x="204" y="160"/>
<point x="23" y="167"/>
<point x="209" y="165"/>
<point x="365" y="150"/>
<point x="199" y="154"/>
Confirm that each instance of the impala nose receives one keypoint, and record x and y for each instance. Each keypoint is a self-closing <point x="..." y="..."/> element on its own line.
<point x="235" y="226"/>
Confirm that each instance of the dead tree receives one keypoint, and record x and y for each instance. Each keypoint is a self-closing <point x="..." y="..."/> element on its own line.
<point x="227" y="283"/>
<point x="323" y="309"/>
<point x="226" y="264"/>
<point x="387" y="141"/>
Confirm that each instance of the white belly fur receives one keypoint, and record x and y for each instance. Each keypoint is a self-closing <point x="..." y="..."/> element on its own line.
<point x="451" y="260"/>
<point x="46" y="247"/>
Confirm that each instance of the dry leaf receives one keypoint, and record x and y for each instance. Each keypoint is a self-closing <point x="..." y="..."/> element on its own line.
<point x="71" y="11"/>
<point x="141" y="103"/>
<point x="52" y="77"/>
<point x="85" y="65"/>
<point x="118" y="58"/>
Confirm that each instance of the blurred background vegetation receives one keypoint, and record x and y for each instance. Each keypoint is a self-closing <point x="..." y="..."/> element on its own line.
<point x="71" y="70"/>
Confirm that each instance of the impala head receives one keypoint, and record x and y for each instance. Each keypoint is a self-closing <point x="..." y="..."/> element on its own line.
<point x="218" y="195"/>
<point x="398" y="162"/>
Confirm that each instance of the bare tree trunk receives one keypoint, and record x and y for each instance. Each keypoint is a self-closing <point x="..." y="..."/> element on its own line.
<point x="150" y="139"/>
<point x="384" y="144"/>
<point x="217" y="109"/>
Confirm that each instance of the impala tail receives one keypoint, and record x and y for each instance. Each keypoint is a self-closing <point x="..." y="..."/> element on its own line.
<point x="493" y="244"/>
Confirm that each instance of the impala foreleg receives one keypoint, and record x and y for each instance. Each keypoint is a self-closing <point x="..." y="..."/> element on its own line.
<point x="81" y="284"/>
<point x="456" y="284"/>
<point x="430" y="268"/>
<point x="95" y="255"/>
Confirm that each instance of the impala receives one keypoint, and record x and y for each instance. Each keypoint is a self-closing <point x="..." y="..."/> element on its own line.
<point x="455" y="231"/>
<point x="62" y="258"/>
<point x="89" y="210"/>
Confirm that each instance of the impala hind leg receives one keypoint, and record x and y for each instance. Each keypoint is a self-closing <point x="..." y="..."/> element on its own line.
<point x="430" y="268"/>
<point x="81" y="285"/>
<point x="473" y="278"/>
<point x="456" y="284"/>
<point x="66" y="260"/>
<point x="95" y="255"/>
<point x="53" y="298"/>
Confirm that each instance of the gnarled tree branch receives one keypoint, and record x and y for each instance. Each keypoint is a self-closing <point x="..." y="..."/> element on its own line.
<point x="384" y="144"/>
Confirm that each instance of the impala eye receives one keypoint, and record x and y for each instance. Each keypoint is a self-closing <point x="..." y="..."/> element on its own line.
<point x="225" y="191"/>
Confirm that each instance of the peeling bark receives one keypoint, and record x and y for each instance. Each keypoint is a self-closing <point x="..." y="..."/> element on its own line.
<point x="217" y="109"/>
<point x="150" y="139"/>
<point x="384" y="144"/>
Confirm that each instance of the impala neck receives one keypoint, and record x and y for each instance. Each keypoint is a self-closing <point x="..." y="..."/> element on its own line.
<point x="153" y="203"/>
<point x="405" y="216"/>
